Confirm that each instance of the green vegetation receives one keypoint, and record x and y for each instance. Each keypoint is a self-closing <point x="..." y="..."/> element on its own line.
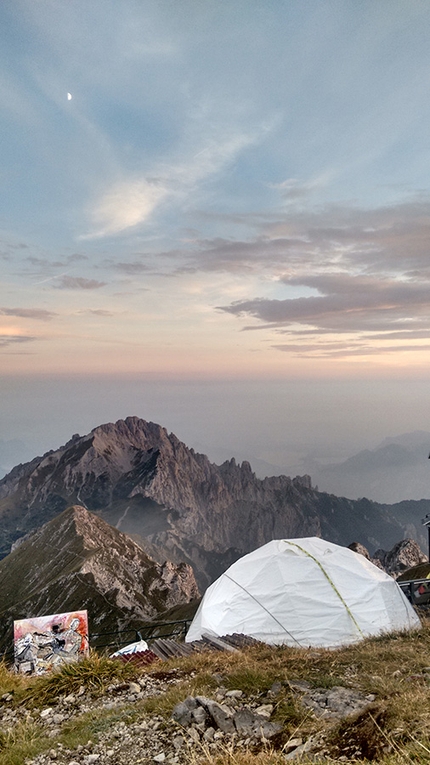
<point x="92" y="673"/>
<point x="395" y="730"/>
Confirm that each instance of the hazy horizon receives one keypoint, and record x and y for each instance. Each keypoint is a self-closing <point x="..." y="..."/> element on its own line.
<point x="281" y="423"/>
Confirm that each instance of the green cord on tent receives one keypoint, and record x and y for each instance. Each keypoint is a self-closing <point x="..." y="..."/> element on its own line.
<point x="351" y="615"/>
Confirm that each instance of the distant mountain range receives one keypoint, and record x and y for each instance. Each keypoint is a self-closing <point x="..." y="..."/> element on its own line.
<point x="398" y="469"/>
<point x="77" y="561"/>
<point x="181" y="507"/>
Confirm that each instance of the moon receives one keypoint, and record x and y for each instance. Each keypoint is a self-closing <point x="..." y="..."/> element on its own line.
<point x="69" y="96"/>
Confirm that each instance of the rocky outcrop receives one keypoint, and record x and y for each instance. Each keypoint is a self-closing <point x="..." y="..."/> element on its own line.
<point x="77" y="561"/>
<point x="359" y="548"/>
<point x="403" y="556"/>
<point x="180" y="506"/>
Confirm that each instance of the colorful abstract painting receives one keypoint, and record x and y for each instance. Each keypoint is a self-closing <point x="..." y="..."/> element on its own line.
<point x="46" y="642"/>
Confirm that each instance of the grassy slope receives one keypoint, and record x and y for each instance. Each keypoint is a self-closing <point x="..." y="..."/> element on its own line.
<point x="396" y="668"/>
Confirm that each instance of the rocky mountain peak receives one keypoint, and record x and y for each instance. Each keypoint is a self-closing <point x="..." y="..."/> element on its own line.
<point x="78" y="561"/>
<point x="146" y="482"/>
<point x="403" y="556"/>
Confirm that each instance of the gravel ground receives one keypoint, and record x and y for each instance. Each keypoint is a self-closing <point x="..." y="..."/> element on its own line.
<point x="136" y="736"/>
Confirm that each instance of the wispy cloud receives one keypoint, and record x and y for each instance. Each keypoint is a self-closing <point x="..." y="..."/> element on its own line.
<point x="129" y="203"/>
<point x="28" y="313"/>
<point x="6" y="340"/>
<point x="133" y="268"/>
<point x="96" y="312"/>
<point x="123" y="206"/>
<point x="78" y="283"/>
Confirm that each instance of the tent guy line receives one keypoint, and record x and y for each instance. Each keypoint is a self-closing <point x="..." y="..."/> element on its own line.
<point x="263" y="607"/>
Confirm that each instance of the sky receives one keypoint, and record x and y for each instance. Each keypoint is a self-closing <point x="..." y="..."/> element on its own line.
<point x="216" y="216"/>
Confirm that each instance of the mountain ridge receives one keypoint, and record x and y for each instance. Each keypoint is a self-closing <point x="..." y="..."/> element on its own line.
<point x="394" y="471"/>
<point x="180" y="506"/>
<point x="77" y="561"/>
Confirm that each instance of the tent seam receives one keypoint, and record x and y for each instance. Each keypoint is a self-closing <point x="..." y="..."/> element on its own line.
<point x="330" y="581"/>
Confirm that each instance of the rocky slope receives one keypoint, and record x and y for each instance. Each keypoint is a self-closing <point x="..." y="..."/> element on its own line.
<point x="180" y="506"/>
<point x="77" y="561"/>
<point x="404" y="556"/>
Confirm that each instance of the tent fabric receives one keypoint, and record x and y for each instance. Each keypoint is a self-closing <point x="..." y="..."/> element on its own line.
<point x="138" y="647"/>
<point x="303" y="592"/>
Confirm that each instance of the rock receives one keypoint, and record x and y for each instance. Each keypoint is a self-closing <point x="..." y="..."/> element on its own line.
<point x="267" y="730"/>
<point x="302" y="749"/>
<point x="275" y="689"/>
<point x="208" y="735"/>
<point x="248" y="723"/>
<point x="293" y="743"/>
<point x="265" y="710"/>
<point x="221" y="714"/>
<point x="235" y="694"/>
<point x="194" y="735"/>
<point x="178" y="742"/>
<point x="199" y="715"/>
<point x="91" y="758"/>
<point x="159" y="757"/>
<point x="244" y="721"/>
<point x="336" y="702"/>
<point x="134" y="687"/>
<point x="182" y="712"/>
<point x="299" y="685"/>
<point x="45" y="713"/>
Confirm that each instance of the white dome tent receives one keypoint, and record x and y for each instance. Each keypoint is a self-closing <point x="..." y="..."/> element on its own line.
<point x="303" y="592"/>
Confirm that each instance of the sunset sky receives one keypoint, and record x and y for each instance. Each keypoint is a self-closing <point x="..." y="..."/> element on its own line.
<point x="216" y="215"/>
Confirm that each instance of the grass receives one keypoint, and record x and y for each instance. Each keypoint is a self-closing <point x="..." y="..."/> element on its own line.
<point x="93" y="673"/>
<point x="395" y="730"/>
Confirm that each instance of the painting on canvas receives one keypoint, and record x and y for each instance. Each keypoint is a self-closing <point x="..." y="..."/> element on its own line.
<point x="45" y="642"/>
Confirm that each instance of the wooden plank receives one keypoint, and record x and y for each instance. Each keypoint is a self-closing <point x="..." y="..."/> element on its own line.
<point x="219" y="644"/>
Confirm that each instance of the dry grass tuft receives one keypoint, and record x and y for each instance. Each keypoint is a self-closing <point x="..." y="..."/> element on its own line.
<point x="93" y="673"/>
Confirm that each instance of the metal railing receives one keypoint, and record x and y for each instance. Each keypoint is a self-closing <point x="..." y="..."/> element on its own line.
<point x="147" y="632"/>
<point x="417" y="591"/>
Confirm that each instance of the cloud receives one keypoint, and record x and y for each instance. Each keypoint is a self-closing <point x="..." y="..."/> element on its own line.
<point x="96" y="312"/>
<point x="124" y="206"/>
<point x="28" y="313"/>
<point x="6" y="340"/>
<point x="292" y="189"/>
<point x="129" y="203"/>
<point x="135" y="267"/>
<point x="78" y="283"/>
<point x="388" y="240"/>
<point x="346" y="303"/>
<point x="339" y="350"/>
<point x="370" y="270"/>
